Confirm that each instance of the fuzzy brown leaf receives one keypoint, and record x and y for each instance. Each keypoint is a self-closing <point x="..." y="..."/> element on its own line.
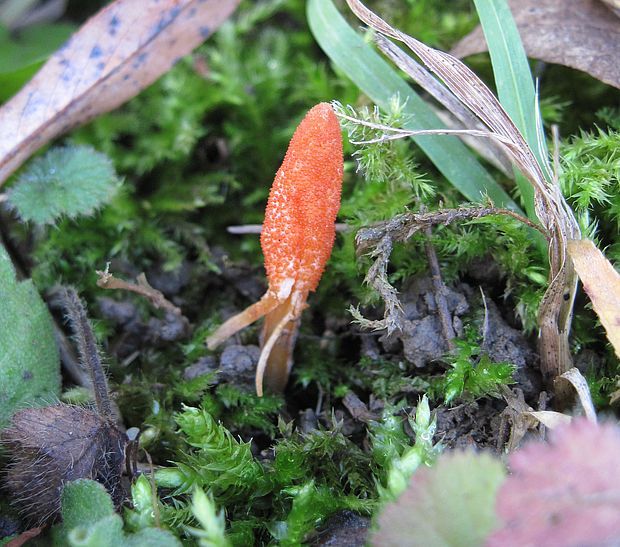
<point x="50" y="446"/>
<point x="565" y="493"/>
<point x="581" y="34"/>
<point x="117" y="53"/>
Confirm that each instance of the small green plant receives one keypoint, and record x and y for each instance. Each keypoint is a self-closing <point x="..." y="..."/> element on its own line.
<point x="473" y="374"/>
<point x="212" y="522"/>
<point x="219" y="462"/>
<point x="311" y="476"/>
<point x="590" y="178"/>
<point x="393" y="452"/>
<point x="89" y="520"/>
<point x="66" y="182"/>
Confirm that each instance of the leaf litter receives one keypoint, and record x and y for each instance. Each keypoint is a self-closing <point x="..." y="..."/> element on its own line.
<point x="117" y="53"/>
<point x="582" y="34"/>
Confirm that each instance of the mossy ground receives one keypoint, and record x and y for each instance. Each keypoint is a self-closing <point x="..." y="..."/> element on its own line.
<point x="197" y="152"/>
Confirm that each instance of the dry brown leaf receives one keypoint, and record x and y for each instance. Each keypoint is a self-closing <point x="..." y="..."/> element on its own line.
<point x="581" y="34"/>
<point x="117" y="53"/>
<point x="613" y="5"/>
<point x="577" y="381"/>
<point x="602" y="284"/>
<point x="550" y="418"/>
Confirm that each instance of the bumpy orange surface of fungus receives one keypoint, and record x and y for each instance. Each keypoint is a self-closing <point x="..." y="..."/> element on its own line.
<point x="297" y="238"/>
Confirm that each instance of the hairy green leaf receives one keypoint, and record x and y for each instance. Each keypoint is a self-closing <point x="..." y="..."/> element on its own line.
<point x="29" y="366"/>
<point x="89" y="520"/>
<point x="68" y="181"/>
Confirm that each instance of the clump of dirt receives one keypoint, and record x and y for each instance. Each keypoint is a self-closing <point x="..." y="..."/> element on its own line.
<point x="423" y="342"/>
<point x="470" y="425"/>
<point x="343" y="529"/>
<point x="421" y="334"/>
<point x="135" y="333"/>
<point x="237" y="365"/>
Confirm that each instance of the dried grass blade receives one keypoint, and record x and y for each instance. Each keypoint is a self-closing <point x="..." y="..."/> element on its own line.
<point x="464" y="84"/>
<point x="555" y="313"/>
<point x="380" y="82"/>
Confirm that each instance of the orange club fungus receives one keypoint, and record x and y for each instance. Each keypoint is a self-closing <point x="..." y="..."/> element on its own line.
<point x="297" y="238"/>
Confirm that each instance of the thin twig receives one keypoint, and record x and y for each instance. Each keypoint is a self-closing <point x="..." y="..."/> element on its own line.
<point x="257" y="228"/>
<point x="402" y="227"/>
<point x="108" y="281"/>
<point x="379" y="241"/>
<point x="154" y="498"/>
<point x="440" y="291"/>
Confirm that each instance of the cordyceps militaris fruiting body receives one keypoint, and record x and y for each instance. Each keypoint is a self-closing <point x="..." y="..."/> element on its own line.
<point x="297" y="238"/>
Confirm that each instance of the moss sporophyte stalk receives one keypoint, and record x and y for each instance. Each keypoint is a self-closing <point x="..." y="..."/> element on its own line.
<point x="297" y="239"/>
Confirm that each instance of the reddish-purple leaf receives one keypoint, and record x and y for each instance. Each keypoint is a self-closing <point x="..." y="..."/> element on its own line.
<point x="118" y="52"/>
<point x="564" y="493"/>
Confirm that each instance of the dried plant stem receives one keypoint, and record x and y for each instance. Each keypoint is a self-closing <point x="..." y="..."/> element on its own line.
<point x="69" y="360"/>
<point x="439" y="289"/>
<point x="108" y="281"/>
<point x="257" y="228"/>
<point x="403" y="226"/>
<point x="380" y="239"/>
<point x="459" y="114"/>
<point x="87" y="348"/>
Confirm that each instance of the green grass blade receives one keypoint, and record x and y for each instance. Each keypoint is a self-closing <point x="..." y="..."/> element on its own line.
<point x="380" y="82"/>
<point x="515" y="86"/>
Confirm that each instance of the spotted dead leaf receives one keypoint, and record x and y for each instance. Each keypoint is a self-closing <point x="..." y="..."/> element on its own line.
<point x="566" y="492"/>
<point x="581" y="34"/>
<point x="602" y="284"/>
<point x="118" y="52"/>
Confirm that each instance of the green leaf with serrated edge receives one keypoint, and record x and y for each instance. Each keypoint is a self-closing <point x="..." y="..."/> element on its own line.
<point x="449" y="504"/>
<point x="29" y="363"/>
<point x="380" y="82"/>
<point x="67" y="181"/>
